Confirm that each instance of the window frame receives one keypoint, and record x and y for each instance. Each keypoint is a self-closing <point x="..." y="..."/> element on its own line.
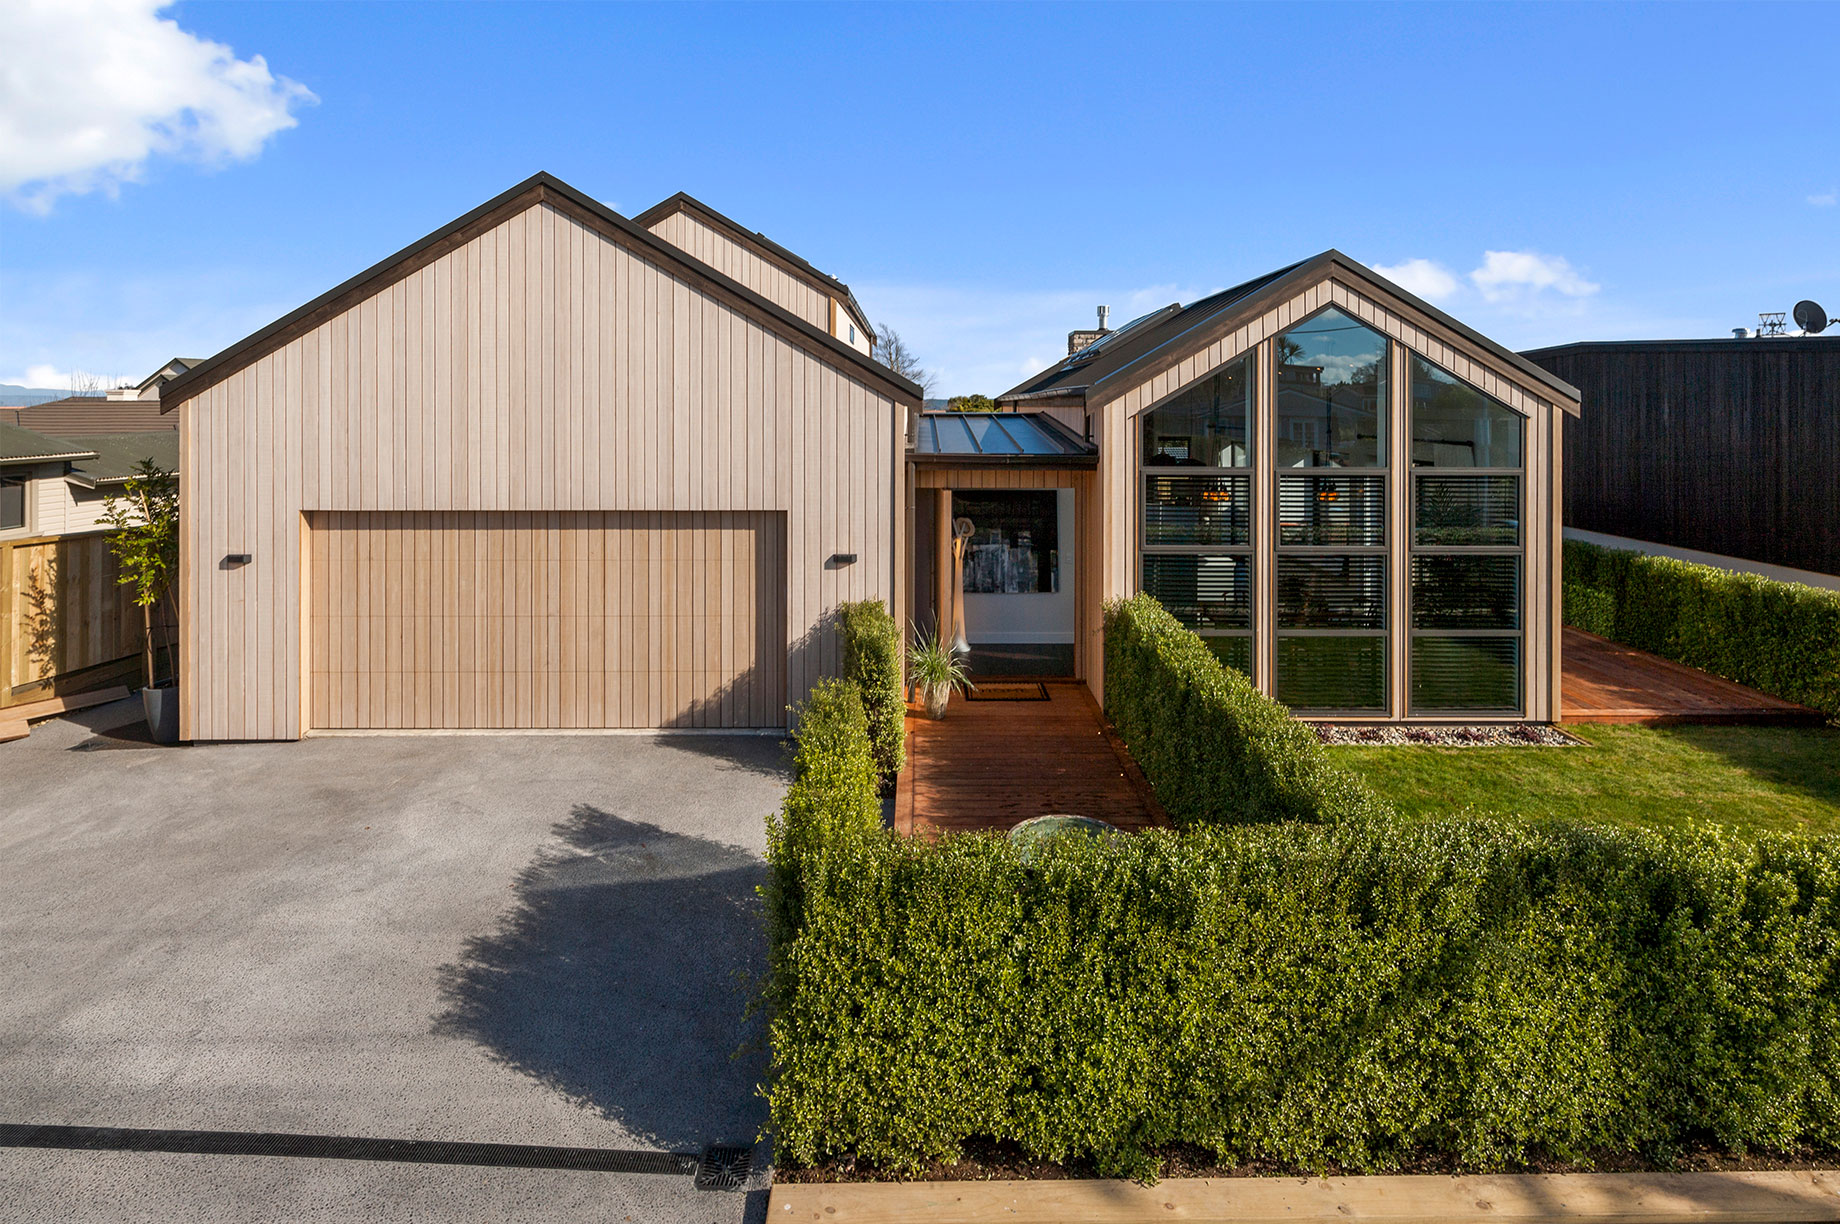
<point x="1384" y="411"/>
<point x="1254" y="512"/>
<point x="1414" y="473"/>
<point x="24" y="484"/>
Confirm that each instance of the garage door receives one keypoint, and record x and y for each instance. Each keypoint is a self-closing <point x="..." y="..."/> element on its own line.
<point x="546" y="620"/>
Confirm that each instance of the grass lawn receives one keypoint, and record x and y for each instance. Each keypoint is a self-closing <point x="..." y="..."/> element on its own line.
<point x="1784" y="778"/>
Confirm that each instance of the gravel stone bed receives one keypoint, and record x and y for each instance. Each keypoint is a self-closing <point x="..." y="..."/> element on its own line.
<point x="1516" y="736"/>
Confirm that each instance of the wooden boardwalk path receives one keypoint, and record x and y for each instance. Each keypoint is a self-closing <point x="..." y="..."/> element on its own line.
<point x="993" y="764"/>
<point x="1607" y="682"/>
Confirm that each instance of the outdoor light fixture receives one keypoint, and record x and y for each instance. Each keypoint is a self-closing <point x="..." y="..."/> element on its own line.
<point x="839" y="560"/>
<point x="234" y="560"/>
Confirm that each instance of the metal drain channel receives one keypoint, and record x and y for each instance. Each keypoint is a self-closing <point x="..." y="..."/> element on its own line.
<point x="716" y="1168"/>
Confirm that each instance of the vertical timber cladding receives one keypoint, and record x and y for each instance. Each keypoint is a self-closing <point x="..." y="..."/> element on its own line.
<point x="433" y="620"/>
<point x="547" y="364"/>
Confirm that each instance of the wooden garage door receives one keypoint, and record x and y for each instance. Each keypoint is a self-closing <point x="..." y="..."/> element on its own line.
<point x="595" y="619"/>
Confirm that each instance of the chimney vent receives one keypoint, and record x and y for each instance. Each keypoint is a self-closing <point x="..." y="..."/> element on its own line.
<point x="1077" y="340"/>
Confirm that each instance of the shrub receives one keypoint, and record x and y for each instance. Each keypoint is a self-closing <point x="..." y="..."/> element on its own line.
<point x="1358" y="994"/>
<point x="971" y="403"/>
<point x="872" y="662"/>
<point x="1779" y="637"/>
<point x="1215" y="749"/>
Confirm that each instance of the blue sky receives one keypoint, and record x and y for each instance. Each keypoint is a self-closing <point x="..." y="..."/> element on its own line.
<point x="982" y="176"/>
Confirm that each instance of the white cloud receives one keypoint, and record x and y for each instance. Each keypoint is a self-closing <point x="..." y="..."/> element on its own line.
<point x="1825" y="199"/>
<point x="1508" y="276"/>
<point x="93" y="89"/>
<point x="1428" y="279"/>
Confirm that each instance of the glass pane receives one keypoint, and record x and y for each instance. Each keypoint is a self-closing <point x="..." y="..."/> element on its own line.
<point x="1197" y="509"/>
<point x="1459" y="510"/>
<point x="1332" y="673"/>
<point x="1207" y="425"/>
<point x="1235" y="652"/>
<point x="1202" y="592"/>
<point x="1466" y="673"/>
<point x="1013" y="549"/>
<point x="954" y="438"/>
<point x="1331" y="399"/>
<point x="1332" y="592"/>
<point x="12" y="504"/>
<point x="1455" y="425"/>
<point x="1347" y="510"/>
<point x="990" y="438"/>
<point x="1466" y="592"/>
<point x="1027" y="435"/>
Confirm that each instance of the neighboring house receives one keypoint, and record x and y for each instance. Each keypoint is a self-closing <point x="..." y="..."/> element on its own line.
<point x="1349" y="494"/>
<point x="543" y="468"/>
<point x="1722" y="446"/>
<point x="65" y="623"/>
<point x="549" y="467"/>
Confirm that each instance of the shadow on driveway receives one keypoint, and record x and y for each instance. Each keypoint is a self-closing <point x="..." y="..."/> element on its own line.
<point x="621" y="979"/>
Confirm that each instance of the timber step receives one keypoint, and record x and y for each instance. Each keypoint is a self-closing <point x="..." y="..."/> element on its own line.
<point x="15" y="720"/>
<point x="1627" y="1198"/>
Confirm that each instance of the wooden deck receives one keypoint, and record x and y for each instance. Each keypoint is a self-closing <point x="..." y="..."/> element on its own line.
<point x="993" y="764"/>
<point x="1606" y="682"/>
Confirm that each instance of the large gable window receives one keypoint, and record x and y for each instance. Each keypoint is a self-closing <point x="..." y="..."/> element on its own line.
<point x="1331" y="413"/>
<point x="1197" y="509"/>
<point x="1467" y="566"/>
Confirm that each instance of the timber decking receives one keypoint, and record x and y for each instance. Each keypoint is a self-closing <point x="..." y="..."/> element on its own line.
<point x="1607" y="682"/>
<point x="993" y="764"/>
<point x="15" y="721"/>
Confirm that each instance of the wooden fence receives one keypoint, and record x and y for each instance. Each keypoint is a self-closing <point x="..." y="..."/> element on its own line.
<point x="66" y="624"/>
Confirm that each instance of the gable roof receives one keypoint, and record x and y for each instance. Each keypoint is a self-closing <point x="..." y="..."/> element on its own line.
<point x="539" y="188"/>
<point x="1101" y="371"/>
<point x="761" y="245"/>
<point x="19" y="445"/>
<point x="89" y="414"/>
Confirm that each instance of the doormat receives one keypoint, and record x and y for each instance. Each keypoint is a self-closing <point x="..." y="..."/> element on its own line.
<point x="1008" y="692"/>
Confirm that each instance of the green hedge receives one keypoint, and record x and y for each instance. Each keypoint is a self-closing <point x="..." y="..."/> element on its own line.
<point x="1215" y="749"/>
<point x="872" y="662"/>
<point x="1780" y="637"/>
<point x="1360" y="994"/>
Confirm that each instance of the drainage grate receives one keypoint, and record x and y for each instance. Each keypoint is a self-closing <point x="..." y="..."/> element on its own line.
<point x="724" y="1168"/>
<point x="345" y="1147"/>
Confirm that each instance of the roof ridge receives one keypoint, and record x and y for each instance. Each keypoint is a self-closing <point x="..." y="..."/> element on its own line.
<point x="259" y="343"/>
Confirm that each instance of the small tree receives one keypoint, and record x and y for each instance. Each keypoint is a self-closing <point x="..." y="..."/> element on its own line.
<point x="971" y="403"/>
<point x="145" y="516"/>
<point x="893" y="352"/>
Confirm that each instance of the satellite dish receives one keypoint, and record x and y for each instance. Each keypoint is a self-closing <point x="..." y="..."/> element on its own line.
<point x="1810" y="317"/>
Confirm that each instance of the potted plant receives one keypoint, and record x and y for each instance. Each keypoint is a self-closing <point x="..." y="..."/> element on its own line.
<point x="145" y="516"/>
<point x="936" y="669"/>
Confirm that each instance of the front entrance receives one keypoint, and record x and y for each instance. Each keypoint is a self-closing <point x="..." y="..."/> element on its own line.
<point x="1000" y="567"/>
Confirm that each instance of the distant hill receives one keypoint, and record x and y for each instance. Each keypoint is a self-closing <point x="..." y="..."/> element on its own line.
<point x="14" y="396"/>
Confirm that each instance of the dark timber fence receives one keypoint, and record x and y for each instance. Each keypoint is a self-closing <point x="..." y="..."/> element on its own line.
<point x="1728" y="446"/>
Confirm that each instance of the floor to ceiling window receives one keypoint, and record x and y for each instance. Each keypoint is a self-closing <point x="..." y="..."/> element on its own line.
<point x="1330" y="402"/>
<point x="1467" y="542"/>
<point x="1197" y="509"/>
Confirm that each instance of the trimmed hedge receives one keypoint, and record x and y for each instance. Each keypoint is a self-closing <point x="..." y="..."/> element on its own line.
<point x="872" y="661"/>
<point x="1215" y="749"/>
<point x="1360" y="994"/>
<point x="1780" y="637"/>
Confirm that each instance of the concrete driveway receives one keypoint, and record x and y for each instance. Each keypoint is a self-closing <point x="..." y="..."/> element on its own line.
<point x="535" y="940"/>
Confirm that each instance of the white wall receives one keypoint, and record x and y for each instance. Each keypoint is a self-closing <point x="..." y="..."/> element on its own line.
<point x="1035" y="617"/>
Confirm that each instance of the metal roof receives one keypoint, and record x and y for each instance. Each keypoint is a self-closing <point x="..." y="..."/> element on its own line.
<point x="19" y="445"/>
<point x="1009" y="438"/>
<point x="116" y="456"/>
<point x="1099" y="373"/>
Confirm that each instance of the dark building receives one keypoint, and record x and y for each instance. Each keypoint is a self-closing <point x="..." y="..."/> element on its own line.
<point x="1726" y="446"/>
